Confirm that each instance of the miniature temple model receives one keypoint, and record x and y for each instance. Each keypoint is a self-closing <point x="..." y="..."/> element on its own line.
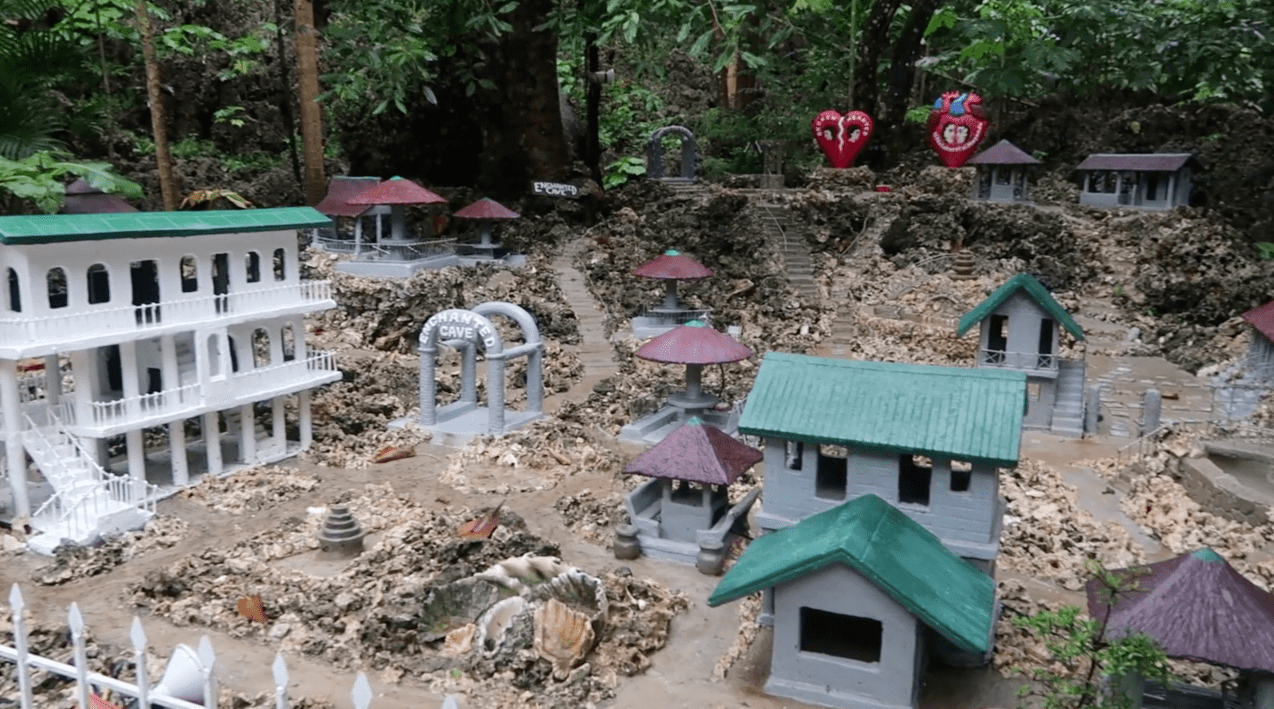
<point x="466" y="330"/>
<point x="485" y="212"/>
<point x="1260" y="354"/>
<point x="1002" y="173"/>
<point x="655" y="155"/>
<point x="336" y="205"/>
<point x="399" y="255"/>
<point x="694" y="345"/>
<point x="1021" y="326"/>
<point x="120" y="323"/>
<point x="670" y="266"/>
<point x="686" y="504"/>
<point x="1150" y="181"/>
<point x="862" y="596"/>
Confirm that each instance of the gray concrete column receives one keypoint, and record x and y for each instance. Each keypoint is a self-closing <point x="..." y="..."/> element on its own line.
<point x="136" y="454"/>
<point x="495" y="396"/>
<point x="128" y="375"/>
<point x="305" y="421"/>
<point x="247" y="435"/>
<point x="52" y="380"/>
<point x="84" y="370"/>
<point x="1092" y="409"/>
<point x="177" y="450"/>
<point x="535" y="380"/>
<point x="15" y="454"/>
<point x="358" y="235"/>
<point x="212" y="441"/>
<point x="1152" y="402"/>
<point x="428" y="386"/>
<point x="469" y="373"/>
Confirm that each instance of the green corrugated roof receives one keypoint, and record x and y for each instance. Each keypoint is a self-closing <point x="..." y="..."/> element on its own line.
<point x="895" y="553"/>
<point x="54" y="228"/>
<point x="1033" y="288"/>
<point x="949" y="412"/>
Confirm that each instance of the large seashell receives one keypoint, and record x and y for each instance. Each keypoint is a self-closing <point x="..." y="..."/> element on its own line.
<point x="493" y="624"/>
<point x="562" y="636"/>
<point x="515" y="573"/>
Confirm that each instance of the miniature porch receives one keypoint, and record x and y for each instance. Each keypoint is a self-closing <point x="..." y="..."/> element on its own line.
<point x="1020" y="329"/>
<point x="1147" y="181"/>
<point x="862" y="593"/>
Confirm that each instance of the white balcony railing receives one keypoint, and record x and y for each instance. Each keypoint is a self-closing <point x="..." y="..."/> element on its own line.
<point x="172" y="403"/>
<point x="94" y="321"/>
<point x="1017" y="360"/>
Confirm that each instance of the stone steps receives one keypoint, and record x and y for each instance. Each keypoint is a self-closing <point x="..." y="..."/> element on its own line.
<point x="595" y="351"/>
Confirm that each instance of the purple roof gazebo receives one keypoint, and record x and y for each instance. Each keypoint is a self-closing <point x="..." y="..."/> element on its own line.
<point x="698" y="453"/>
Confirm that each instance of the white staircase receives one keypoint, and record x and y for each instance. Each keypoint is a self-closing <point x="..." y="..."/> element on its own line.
<point x="87" y="502"/>
<point x="1068" y="407"/>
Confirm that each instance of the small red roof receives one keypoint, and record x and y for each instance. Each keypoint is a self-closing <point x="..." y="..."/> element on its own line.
<point x="1262" y="319"/>
<point x="673" y="265"/>
<point x="1196" y="607"/>
<point x="340" y="190"/>
<point x="696" y="452"/>
<point x="693" y="343"/>
<point x="396" y="190"/>
<point x="487" y="208"/>
<point x="1003" y="153"/>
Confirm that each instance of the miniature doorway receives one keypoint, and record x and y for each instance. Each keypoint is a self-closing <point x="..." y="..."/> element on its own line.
<point x="466" y="330"/>
<point x="655" y="153"/>
<point x="145" y="280"/>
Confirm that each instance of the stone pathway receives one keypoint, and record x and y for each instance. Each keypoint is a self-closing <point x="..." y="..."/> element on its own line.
<point x="595" y="349"/>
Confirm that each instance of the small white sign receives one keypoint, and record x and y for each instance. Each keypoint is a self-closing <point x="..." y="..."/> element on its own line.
<point x="555" y="189"/>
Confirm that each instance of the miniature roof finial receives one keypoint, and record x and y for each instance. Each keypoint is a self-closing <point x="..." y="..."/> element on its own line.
<point x="672" y="252"/>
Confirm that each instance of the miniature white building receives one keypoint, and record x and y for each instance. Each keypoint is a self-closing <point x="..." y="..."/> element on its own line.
<point x="148" y="320"/>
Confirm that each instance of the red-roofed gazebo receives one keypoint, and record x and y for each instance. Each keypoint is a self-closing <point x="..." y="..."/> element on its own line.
<point x="694" y="345"/>
<point x="485" y="211"/>
<point x="397" y="193"/>
<point x="672" y="266"/>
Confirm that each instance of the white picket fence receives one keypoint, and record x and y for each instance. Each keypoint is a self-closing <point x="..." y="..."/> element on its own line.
<point x="87" y="683"/>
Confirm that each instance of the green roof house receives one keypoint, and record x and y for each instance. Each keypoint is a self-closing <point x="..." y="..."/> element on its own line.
<point x="862" y="595"/>
<point x="118" y="324"/>
<point x="1021" y="325"/>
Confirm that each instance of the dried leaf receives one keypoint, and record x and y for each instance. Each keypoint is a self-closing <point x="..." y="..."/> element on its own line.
<point x="482" y="527"/>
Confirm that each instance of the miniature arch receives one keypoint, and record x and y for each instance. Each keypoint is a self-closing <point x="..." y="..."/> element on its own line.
<point x="465" y="330"/>
<point x="655" y="153"/>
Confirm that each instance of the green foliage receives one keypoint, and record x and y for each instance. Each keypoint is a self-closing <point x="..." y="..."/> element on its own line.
<point x="1082" y="656"/>
<point x="1266" y="249"/>
<point x="231" y="115"/>
<point x="619" y="172"/>
<point x="918" y="114"/>
<point x="39" y="177"/>
<point x="33" y="61"/>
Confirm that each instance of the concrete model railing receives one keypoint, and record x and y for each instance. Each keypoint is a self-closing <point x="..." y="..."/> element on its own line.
<point x="407" y="250"/>
<point x="1017" y="360"/>
<point x="88" y="683"/>
<point x="52" y="328"/>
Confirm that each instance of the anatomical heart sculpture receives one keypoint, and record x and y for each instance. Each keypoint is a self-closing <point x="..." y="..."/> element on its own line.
<point x="957" y="125"/>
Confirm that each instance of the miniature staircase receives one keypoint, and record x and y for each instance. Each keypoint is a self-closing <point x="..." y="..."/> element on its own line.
<point x="1068" y="407"/>
<point x="790" y="238"/>
<point x="86" y="501"/>
<point x="595" y="350"/>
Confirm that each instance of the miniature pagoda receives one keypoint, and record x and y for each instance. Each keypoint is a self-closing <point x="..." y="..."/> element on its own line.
<point x="399" y="256"/>
<point x="486" y="212"/>
<point x="336" y="205"/>
<point x="694" y="345"/>
<point x="670" y="266"/>
<point x="1147" y="181"/>
<point x="685" y="506"/>
<point x="1002" y="173"/>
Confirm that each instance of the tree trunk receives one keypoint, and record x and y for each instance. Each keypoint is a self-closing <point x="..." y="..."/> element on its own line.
<point x="902" y="70"/>
<point x="285" y="91"/>
<point x="593" y="99"/>
<point x="872" y="44"/>
<point x="522" y="134"/>
<point x="311" y="115"/>
<point x="158" y="116"/>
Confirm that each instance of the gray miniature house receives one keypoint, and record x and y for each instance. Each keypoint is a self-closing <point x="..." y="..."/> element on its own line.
<point x="686" y="503"/>
<point x="1260" y="355"/>
<point x="1147" y="181"/>
<point x="862" y="596"/>
<point x="1021" y="328"/>
<point x="1002" y="173"/>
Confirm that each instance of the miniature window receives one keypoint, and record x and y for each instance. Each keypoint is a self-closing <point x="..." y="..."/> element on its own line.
<point x="189" y="274"/>
<point x="1152" y="187"/>
<point x="849" y="636"/>
<point x="687" y="493"/>
<point x="15" y="292"/>
<point x="831" y="477"/>
<point x="57" y="288"/>
<point x="234" y="354"/>
<point x="99" y="284"/>
<point x="280" y="257"/>
<point x="915" y="473"/>
<point x="1109" y="182"/>
<point x="795" y="454"/>
<point x="961" y="475"/>
<point x="253" y="265"/>
<point x="260" y="348"/>
<point x="997" y="340"/>
<point x="1002" y="176"/>
<point x="288" y="339"/>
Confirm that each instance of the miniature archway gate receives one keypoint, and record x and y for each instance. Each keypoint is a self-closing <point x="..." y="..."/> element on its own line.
<point x="465" y="330"/>
<point x="655" y="153"/>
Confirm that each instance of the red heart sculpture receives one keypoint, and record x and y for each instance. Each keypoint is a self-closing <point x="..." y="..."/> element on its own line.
<point x="957" y="125"/>
<point x="842" y="138"/>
